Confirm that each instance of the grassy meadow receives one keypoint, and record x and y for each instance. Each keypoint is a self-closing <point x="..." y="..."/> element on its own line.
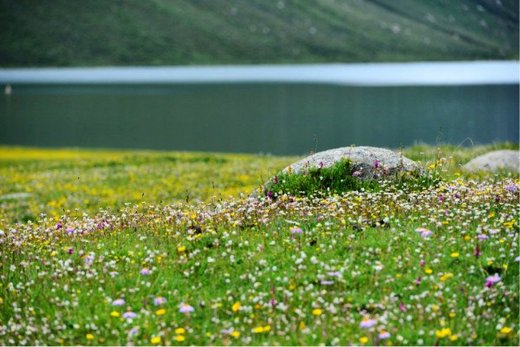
<point x="103" y="247"/>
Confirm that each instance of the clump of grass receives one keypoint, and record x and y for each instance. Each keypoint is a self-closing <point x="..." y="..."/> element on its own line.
<point x="340" y="178"/>
<point x="335" y="179"/>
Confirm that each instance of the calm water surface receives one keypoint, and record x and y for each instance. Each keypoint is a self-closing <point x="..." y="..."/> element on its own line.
<point x="250" y="113"/>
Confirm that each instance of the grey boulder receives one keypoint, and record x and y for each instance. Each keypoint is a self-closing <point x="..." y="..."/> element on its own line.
<point x="506" y="160"/>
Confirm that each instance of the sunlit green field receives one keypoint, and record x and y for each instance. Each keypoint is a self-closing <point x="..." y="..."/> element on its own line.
<point x="165" y="248"/>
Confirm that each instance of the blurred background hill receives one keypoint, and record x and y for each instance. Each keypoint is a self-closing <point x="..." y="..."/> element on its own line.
<point x="181" y="32"/>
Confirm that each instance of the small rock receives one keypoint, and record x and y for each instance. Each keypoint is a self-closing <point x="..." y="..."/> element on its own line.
<point x="507" y="160"/>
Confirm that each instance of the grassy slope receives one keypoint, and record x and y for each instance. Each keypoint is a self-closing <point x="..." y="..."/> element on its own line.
<point x="155" y="32"/>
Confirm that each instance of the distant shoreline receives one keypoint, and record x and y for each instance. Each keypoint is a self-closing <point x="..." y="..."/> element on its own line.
<point x="357" y="74"/>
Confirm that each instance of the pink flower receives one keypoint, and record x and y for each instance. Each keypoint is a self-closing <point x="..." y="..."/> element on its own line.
<point x="367" y="323"/>
<point x="491" y="280"/>
<point x="145" y="271"/>
<point x="185" y="308"/>
<point x="296" y="230"/>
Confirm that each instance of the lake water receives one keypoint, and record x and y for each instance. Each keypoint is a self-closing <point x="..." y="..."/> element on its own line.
<point x="269" y="109"/>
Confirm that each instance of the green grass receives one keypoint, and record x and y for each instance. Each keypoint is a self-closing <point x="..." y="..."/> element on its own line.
<point x="336" y="179"/>
<point x="162" y="32"/>
<point x="294" y="271"/>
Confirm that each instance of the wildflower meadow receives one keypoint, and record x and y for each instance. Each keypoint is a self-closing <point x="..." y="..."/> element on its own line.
<point x="168" y="248"/>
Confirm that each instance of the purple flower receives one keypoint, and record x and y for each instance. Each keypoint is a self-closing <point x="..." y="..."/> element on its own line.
<point x="367" y="323"/>
<point x="270" y="194"/>
<point x="118" y="302"/>
<point x="159" y="301"/>
<point x="59" y="226"/>
<point x="376" y="164"/>
<point x="425" y="233"/>
<point x="70" y="231"/>
<point x="383" y="335"/>
<point x="356" y="173"/>
<point x="326" y="283"/>
<point x="482" y="237"/>
<point x="296" y="230"/>
<point x="402" y="307"/>
<point x="145" y="271"/>
<point x="129" y="315"/>
<point x="70" y="251"/>
<point x="491" y="280"/>
<point x="134" y="331"/>
<point x="185" y="308"/>
<point x="511" y="188"/>
<point x="275" y="179"/>
<point x="418" y="281"/>
<point x="517" y="259"/>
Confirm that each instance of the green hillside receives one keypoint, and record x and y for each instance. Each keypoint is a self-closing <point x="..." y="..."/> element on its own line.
<point x="163" y="32"/>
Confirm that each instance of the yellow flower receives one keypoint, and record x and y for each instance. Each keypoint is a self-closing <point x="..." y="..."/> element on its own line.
<point x="155" y="340"/>
<point x="446" y="276"/>
<point x="260" y="329"/>
<point x="443" y="333"/>
<point x="90" y="337"/>
<point x="181" y="249"/>
<point x="180" y="331"/>
<point x="179" y="338"/>
<point x="160" y="312"/>
<point x="452" y="314"/>
<point x="467" y="238"/>
<point x="435" y="307"/>
<point x="428" y="270"/>
<point x="455" y="254"/>
<point x="235" y="334"/>
<point x="1" y="301"/>
<point x="505" y="330"/>
<point x="317" y="311"/>
<point x="236" y="306"/>
<point x="115" y="314"/>
<point x="363" y="339"/>
<point x="453" y="338"/>
<point x="302" y="325"/>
